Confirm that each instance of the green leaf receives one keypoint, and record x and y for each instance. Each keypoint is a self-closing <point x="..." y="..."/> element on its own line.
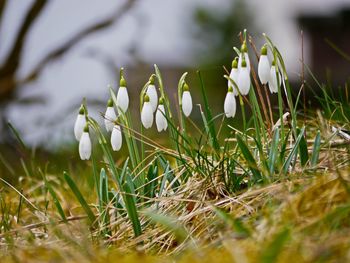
<point x="55" y="200"/>
<point x="130" y="205"/>
<point x="152" y="181"/>
<point x="292" y="152"/>
<point x="273" y="151"/>
<point x="80" y="197"/>
<point x="249" y="158"/>
<point x="316" y="150"/>
<point x="16" y="133"/>
<point x="303" y="152"/>
<point x="210" y="123"/>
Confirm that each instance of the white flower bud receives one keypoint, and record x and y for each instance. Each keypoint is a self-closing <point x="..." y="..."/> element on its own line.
<point x="244" y="79"/>
<point x="116" y="138"/>
<point x="186" y="103"/>
<point x="85" y="145"/>
<point x="230" y="104"/>
<point x="153" y="96"/>
<point x="161" y="121"/>
<point x="234" y="76"/>
<point x="80" y="123"/>
<point x="264" y="69"/>
<point x="147" y="113"/>
<point x="110" y="116"/>
<point x="246" y="58"/>
<point x="273" y="82"/>
<point x="123" y="99"/>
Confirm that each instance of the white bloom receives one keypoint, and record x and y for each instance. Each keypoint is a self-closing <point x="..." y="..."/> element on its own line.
<point x="244" y="80"/>
<point x="153" y="97"/>
<point x="116" y="138"/>
<point x="161" y="121"/>
<point x="110" y="117"/>
<point x="85" y="146"/>
<point x="273" y="82"/>
<point x="246" y="57"/>
<point x="147" y="113"/>
<point x="186" y="103"/>
<point x="264" y="69"/>
<point x="80" y="123"/>
<point x="230" y="104"/>
<point x="123" y="99"/>
<point x="234" y="76"/>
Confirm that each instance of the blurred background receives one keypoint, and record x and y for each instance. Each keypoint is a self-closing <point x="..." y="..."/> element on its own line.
<point x="54" y="53"/>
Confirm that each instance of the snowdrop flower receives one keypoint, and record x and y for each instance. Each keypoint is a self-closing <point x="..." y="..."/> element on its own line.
<point x="152" y="94"/>
<point x="234" y="76"/>
<point x="244" y="56"/>
<point x="122" y="96"/>
<point x="244" y="79"/>
<point x="147" y="113"/>
<point x="264" y="66"/>
<point x="116" y="138"/>
<point x="273" y="82"/>
<point x="161" y="121"/>
<point x="80" y="123"/>
<point x="110" y="116"/>
<point x="186" y="100"/>
<point x="230" y="103"/>
<point x="85" y="144"/>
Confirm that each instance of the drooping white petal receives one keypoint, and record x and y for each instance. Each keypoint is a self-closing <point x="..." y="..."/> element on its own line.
<point x="273" y="82"/>
<point x="79" y="125"/>
<point x="147" y="115"/>
<point x="186" y="103"/>
<point x="85" y="146"/>
<point x="234" y="76"/>
<point x="239" y="62"/>
<point x="246" y="57"/>
<point x="161" y="121"/>
<point x="116" y="138"/>
<point x="264" y="69"/>
<point x="123" y="99"/>
<point x="244" y="81"/>
<point x="230" y="105"/>
<point x="110" y="117"/>
<point x="153" y="96"/>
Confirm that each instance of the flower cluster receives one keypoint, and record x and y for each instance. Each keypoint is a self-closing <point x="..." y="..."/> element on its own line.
<point x="239" y="81"/>
<point x="150" y="105"/>
<point x="155" y="107"/>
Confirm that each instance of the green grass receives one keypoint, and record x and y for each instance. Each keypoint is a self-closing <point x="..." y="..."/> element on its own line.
<point x="252" y="195"/>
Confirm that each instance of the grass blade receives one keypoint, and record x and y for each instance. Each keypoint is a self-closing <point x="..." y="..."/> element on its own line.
<point x="249" y="158"/>
<point x="316" y="150"/>
<point x="293" y="152"/>
<point x="80" y="197"/>
<point x="273" y="151"/>
<point x="303" y="152"/>
<point x="55" y="200"/>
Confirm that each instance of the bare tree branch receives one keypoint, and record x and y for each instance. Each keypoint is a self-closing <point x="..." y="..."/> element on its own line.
<point x="12" y="61"/>
<point x="2" y="8"/>
<point x="70" y="43"/>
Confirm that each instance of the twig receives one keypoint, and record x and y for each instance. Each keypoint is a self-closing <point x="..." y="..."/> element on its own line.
<point x="68" y="45"/>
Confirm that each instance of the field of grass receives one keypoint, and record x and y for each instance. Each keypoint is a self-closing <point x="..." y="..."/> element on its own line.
<point x="272" y="191"/>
